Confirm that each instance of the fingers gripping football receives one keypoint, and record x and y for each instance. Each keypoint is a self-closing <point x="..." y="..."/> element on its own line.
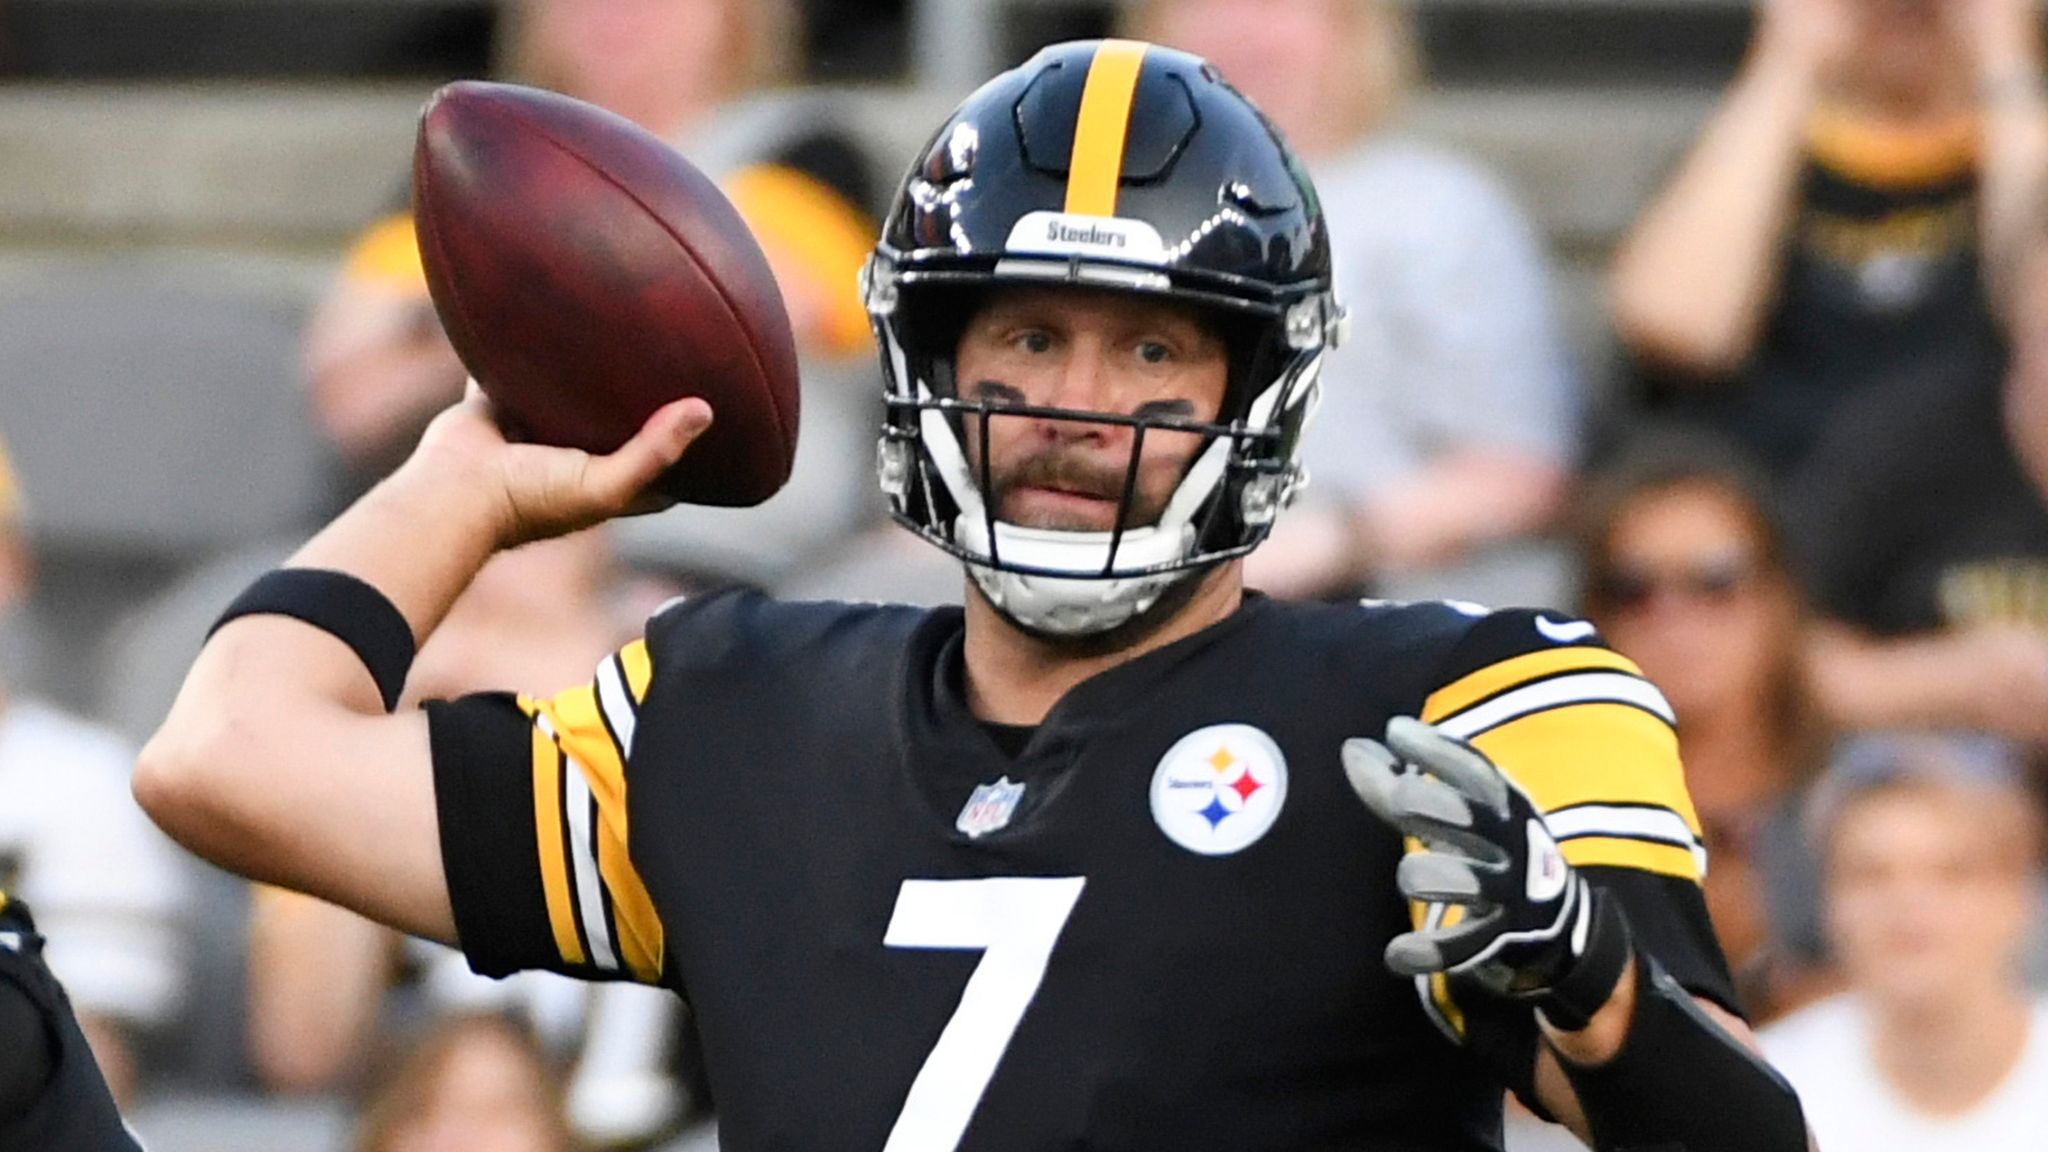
<point x="1484" y="849"/>
<point x="540" y="490"/>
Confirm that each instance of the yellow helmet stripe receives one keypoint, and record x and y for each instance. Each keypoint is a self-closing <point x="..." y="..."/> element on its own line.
<point x="1098" y="159"/>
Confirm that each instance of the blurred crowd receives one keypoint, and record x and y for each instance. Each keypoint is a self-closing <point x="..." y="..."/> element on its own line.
<point x="1813" y="507"/>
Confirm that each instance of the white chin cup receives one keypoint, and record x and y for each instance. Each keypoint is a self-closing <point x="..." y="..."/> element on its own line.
<point x="1077" y="605"/>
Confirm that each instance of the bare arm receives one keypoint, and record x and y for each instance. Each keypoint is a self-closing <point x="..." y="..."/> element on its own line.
<point x="317" y="975"/>
<point x="2004" y="36"/>
<point x="1459" y="502"/>
<point x="1694" y="278"/>
<point x="2015" y="224"/>
<point x="1988" y="676"/>
<point x="278" y="761"/>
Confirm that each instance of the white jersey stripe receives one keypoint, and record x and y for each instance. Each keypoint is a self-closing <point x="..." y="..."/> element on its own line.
<point x="1657" y="825"/>
<point x="579" y="808"/>
<point x="1579" y="688"/>
<point x="617" y="704"/>
<point x="1661" y="824"/>
<point x="579" y="811"/>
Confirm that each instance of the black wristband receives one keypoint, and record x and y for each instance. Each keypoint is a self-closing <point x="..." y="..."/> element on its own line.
<point x="1584" y="988"/>
<point x="1681" y="1081"/>
<point x="342" y="606"/>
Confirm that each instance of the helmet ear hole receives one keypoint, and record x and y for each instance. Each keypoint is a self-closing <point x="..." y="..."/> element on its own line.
<point x="930" y="319"/>
<point x="1255" y="357"/>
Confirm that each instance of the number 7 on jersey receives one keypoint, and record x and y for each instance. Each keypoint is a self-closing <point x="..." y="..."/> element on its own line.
<point x="1014" y="921"/>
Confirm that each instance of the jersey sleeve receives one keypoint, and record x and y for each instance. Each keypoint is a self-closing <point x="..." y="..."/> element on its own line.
<point x="1594" y="745"/>
<point x="535" y="839"/>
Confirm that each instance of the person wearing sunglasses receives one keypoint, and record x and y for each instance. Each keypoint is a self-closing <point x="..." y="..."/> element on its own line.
<point x="1685" y="572"/>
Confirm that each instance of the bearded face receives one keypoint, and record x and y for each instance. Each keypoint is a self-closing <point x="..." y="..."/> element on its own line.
<point x="1086" y="352"/>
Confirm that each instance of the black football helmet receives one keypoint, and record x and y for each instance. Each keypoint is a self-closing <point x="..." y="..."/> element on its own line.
<point x="1112" y="165"/>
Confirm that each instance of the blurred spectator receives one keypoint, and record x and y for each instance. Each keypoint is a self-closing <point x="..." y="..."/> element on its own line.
<point x="1450" y="418"/>
<point x="475" y="1084"/>
<point x="1685" y="573"/>
<point x="377" y="363"/>
<point x="320" y="976"/>
<point x="1854" y="212"/>
<point x="1933" y="850"/>
<point x="1926" y="547"/>
<point x="107" y="887"/>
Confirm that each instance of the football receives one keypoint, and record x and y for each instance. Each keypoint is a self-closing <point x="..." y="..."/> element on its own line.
<point x="587" y="275"/>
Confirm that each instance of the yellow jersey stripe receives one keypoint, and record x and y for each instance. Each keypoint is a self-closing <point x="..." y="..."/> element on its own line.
<point x="1440" y="984"/>
<point x="1592" y="754"/>
<point x="1892" y="158"/>
<point x="639" y="668"/>
<point x="1435" y="989"/>
<point x="1619" y="852"/>
<point x="1495" y="678"/>
<point x="636" y="927"/>
<point x="1097" y="163"/>
<point x="549" y="834"/>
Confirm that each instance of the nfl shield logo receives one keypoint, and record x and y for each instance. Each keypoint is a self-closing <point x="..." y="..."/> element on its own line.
<point x="990" y="807"/>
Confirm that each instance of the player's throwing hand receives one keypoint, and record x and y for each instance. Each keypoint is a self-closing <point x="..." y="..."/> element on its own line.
<point x="1528" y="921"/>
<point x="542" y="491"/>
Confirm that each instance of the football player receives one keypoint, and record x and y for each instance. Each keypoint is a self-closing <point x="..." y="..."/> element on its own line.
<point x="52" y="1095"/>
<point x="1083" y="863"/>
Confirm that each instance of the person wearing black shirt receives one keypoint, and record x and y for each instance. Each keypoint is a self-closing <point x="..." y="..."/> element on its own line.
<point x="1858" y="208"/>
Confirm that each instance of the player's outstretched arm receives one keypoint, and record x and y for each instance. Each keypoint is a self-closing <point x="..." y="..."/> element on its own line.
<point x="1632" y="1059"/>
<point x="279" y="761"/>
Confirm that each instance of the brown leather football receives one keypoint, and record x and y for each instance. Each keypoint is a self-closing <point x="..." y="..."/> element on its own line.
<point x="588" y="274"/>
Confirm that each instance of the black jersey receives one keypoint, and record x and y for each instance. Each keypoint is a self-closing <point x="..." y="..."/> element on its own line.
<point x="1159" y="925"/>
<point x="68" y="1108"/>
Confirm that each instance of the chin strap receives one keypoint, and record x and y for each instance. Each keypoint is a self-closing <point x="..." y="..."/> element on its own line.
<point x="1078" y="605"/>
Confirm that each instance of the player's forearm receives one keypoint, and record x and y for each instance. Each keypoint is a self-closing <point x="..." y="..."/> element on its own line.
<point x="1656" y="1068"/>
<point x="1693" y="279"/>
<point x="419" y="537"/>
<point x="1605" y="1031"/>
<point x="277" y="760"/>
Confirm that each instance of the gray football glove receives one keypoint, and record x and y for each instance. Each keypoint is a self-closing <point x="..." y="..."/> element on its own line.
<point x="1533" y="929"/>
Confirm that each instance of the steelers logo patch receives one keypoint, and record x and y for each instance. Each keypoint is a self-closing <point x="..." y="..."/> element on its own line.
<point x="1218" y="789"/>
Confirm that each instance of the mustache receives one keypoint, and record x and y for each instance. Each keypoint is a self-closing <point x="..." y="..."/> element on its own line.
<point x="1063" y="470"/>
